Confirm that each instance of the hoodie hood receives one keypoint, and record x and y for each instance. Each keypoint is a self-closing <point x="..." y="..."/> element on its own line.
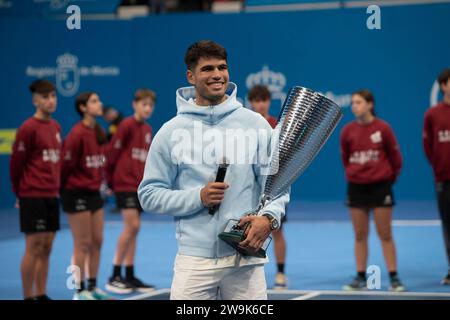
<point x="211" y="114"/>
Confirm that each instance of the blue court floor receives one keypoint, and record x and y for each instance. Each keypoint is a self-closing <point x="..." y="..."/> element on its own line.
<point x="319" y="258"/>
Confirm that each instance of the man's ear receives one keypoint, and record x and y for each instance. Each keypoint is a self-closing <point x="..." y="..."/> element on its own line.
<point x="190" y="77"/>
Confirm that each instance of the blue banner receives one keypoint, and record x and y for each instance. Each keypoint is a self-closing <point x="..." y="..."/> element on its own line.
<point x="331" y="51"/>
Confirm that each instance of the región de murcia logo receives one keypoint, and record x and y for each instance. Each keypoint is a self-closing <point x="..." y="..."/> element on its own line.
<point x="68" y="73"/>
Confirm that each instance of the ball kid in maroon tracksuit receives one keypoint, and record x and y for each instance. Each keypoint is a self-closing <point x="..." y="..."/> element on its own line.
<point x="372" y="161"/>
<point x="82" y="175"/>
<point x="436" y="142"/>
<point x="35" y="177"/>
<point x="127" y="154"/>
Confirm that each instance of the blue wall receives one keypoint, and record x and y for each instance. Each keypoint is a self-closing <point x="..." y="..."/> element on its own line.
<point x="330" y="51"/>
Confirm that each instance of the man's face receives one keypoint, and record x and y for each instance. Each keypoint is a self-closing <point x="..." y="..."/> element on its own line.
<point x="210" y="79"/>
<point x="261" y="106"/>
<point x="46" y="102"/>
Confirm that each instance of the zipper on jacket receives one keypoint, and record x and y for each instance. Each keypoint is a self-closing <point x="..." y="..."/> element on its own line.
<point x="211" y="113"/>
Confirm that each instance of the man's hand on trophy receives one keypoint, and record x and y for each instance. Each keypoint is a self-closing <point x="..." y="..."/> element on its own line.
<point x="213" y="193"/>
<point x="256" y="233"/>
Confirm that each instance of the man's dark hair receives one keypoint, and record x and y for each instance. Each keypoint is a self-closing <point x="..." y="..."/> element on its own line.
<point x="259" y="92"/>
<point x="444" y="76"/>
<point x="42" y="86"/>
<point x="203" y="49"/>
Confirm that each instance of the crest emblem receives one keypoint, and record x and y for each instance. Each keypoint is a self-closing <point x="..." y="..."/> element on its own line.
<point x="376" y="137"/>
<point x="274" y="81"/>
<point x="67" y="74"/>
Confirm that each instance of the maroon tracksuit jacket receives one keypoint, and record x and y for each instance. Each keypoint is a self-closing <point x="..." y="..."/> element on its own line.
<point x="127" y="154"/>
<point x="436" y="140"/>
<point x="83" y="160"/>
<point x="370" y="152"/>
<point x="35" y="161"/>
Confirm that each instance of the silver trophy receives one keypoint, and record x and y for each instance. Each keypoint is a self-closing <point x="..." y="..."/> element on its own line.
<point x="306" y="121"/>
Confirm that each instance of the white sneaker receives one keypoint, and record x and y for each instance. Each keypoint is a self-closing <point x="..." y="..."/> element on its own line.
<point x="83" y="295"/>
<point x="280" y="282"/>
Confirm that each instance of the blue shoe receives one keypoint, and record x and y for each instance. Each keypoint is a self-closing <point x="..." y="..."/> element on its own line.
<point x="99" y="294"/>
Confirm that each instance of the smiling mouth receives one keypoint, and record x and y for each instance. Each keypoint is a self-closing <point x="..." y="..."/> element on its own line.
<point x="217" y="85"/>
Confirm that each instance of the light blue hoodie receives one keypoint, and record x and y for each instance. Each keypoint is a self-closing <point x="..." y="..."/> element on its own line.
<point x="175" y="172"/>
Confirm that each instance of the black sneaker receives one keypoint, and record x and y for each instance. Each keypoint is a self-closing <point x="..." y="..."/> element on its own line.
<point x="397" y="285"/>
<point x="358" y="283"/>
<point x="119" y="285"/>
<point x="140" y="286"/>
<point x="43" y="297"/>
<point x="446" y="280"/>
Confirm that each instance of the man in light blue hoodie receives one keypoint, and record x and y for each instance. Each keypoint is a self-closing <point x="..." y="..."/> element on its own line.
<point x="211" y="125"/>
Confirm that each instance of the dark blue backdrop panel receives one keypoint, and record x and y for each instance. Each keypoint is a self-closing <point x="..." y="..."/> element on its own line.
<point x="49" y="8"/>
<point x="330" y="51"/>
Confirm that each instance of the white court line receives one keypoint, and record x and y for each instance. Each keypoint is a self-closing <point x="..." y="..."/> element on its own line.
<point x="120" y="222"/>
<point x="416" y="223"/>
<point x="363" y="4"/>
<point x="396" y="223"/>
<point x="308" y="296"/>
<point x="336" y="5"/>
<point x="149" y="294"/>
<point x="293" y="7"/>
<point x="364" y="293"/>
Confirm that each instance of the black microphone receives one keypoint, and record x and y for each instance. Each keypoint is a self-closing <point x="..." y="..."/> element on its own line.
<point x="220" y="177"/>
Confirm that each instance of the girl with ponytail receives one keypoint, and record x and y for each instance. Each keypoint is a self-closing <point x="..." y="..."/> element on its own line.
<point x="82" y="175"/>
<point x="372" y="162"/>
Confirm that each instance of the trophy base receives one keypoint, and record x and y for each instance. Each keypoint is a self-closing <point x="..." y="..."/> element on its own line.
<point x="233" y="239"/>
